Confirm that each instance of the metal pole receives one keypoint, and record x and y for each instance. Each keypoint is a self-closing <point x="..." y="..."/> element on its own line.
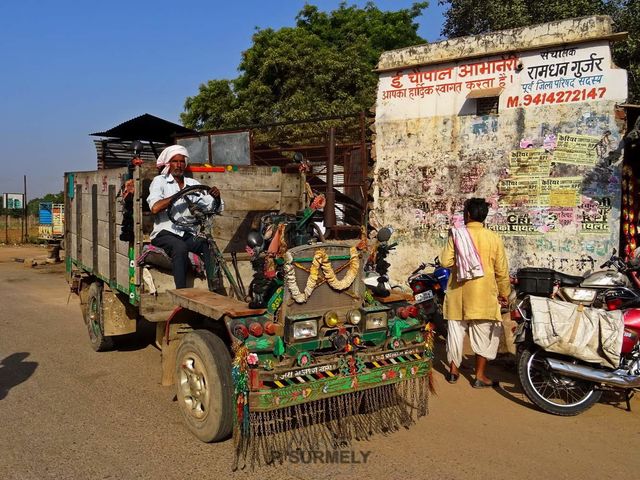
<point x="330" y="207"/>
<point x="364" y="169"/>
<point x="6" y="220"/>
<point x="24" y="212"/>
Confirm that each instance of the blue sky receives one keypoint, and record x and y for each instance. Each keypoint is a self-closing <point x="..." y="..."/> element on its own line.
<point x="69" y="69"/>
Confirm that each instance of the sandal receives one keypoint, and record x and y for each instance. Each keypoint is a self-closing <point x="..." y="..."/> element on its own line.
<point x="452" y="377"/>
<point x="480" y="384"/>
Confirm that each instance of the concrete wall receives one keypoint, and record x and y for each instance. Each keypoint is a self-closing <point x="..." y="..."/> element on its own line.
<point x="548" y="161"/>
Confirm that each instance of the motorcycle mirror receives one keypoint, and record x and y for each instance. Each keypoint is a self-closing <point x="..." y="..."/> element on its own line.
<point x="384" y="234"/>
<point x="298" y="157"/>
<point x="255" y="239"/>
<point x="137" y="147"/>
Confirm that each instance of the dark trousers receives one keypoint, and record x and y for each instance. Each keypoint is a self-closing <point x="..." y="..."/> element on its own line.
<point x="178" y="249"/>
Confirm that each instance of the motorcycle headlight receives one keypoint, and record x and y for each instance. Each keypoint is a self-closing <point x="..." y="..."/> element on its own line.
<point x="305" y="329"/>
<point x="579" y="294"/>
<point x="376" y="320"/>
<point x="354" y="317"/>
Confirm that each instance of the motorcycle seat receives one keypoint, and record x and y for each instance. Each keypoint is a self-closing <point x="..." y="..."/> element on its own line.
<point x="568" y="280"/>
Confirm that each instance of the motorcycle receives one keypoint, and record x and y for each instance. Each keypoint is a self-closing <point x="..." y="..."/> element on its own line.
<point x="617" y="280"/>
<point x="563" y="385"/>
<point x="428" y="292"/>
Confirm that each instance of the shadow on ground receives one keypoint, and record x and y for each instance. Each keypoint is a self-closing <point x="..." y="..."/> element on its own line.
<point x="14" y="370"/>
<point x="144" y="336"/>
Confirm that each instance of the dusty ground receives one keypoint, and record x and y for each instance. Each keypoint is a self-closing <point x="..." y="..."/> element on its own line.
<point x="68" y="412"/>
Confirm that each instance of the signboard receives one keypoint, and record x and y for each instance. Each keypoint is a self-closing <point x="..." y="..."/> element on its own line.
<point x="13" y="201"/>
<point x="569" y="74"/>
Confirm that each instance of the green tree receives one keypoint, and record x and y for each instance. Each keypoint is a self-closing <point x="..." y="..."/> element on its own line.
<point x="471" y="17"/>
<point x="33" y="206"/>
<point x="626" y="54"/>
<point x="322" y="66"/>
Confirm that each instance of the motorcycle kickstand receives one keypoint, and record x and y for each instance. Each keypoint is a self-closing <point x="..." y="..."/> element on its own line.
<point x="628" y="397"/>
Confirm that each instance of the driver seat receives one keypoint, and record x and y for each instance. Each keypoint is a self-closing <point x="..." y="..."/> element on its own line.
<point x="157" y="257"/>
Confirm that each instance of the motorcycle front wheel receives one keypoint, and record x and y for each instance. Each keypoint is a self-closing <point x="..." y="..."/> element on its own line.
<point x="550" y="391"/>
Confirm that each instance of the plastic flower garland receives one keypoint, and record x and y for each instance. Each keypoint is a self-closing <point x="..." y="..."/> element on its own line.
<point x="320" y="262"/>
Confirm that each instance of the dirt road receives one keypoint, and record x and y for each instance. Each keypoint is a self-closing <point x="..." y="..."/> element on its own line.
<point x="68" y="412"/>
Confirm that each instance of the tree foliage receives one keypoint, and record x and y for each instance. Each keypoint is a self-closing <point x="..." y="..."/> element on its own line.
<point x="471" y="17"/>
<point x="33" y="206"/>
<point x="322" y="66"/>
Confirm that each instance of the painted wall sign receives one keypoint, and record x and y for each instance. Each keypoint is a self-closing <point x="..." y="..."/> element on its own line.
<point x="566" y="75"/>
<point x="548" y="162"/>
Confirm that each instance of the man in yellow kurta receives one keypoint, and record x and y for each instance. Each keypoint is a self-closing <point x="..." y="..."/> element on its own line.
<point x="474" y="304"/>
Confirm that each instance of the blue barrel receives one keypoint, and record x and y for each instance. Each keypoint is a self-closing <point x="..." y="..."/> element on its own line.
<point x="45" y="213"/>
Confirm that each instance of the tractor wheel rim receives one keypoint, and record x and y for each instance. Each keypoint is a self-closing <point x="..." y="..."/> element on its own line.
<point x="194" y="386"/>
<point x="93" y="325"/>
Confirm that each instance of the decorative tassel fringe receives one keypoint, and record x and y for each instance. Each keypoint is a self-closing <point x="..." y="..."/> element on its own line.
<point x="330" y="424"/>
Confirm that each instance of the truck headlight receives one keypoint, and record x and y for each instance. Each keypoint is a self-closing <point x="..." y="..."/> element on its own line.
<point x="305" y="329"/>
<point x="376" y="320"/>
<point x="331" y="319"/>
<point x="355" y="317"/>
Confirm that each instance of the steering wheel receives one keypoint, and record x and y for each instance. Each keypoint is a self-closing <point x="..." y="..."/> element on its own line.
<point x="197" y="211"/>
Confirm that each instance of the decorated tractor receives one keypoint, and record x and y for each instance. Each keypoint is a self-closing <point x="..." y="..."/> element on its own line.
<point x="306" y="358"/>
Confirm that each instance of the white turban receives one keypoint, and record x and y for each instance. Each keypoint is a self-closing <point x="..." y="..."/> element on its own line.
<point x="168" y="153"/>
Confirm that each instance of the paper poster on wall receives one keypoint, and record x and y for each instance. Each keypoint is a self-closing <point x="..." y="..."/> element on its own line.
<point x="529" y="162"/>
<point x="564" y="198"/>
<point x="576" y="149"/>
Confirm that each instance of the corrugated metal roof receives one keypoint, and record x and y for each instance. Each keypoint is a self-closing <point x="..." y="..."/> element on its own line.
<point x="146" y="127"/>
<point x="118" y="153"/>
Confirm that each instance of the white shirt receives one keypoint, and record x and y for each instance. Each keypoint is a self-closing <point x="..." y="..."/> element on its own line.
<point x="163" y="186"/>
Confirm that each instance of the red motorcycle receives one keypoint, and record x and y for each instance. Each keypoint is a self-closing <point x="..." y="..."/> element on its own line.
<point x="564" y="385"/>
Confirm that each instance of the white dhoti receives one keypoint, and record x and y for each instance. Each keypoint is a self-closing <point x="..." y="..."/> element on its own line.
<point x="484" y="336"/>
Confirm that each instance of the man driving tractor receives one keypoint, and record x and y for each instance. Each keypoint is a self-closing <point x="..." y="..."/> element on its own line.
<point x="177" y="240"/>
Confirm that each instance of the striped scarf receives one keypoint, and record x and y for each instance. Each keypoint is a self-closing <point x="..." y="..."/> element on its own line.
<point x="468" y="263"/>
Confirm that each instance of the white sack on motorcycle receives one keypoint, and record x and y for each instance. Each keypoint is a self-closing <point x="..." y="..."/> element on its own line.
<point x="589" y="334"/>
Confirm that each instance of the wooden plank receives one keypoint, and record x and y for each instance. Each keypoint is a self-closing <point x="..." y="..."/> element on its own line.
<point x="211" y="304"/>
<point x="102" y="178"/>
<point x="231" y="182"/>
<point x="245" y="178"/>
<point x="112" y="233"/>
<point x="122" y="248"/>
<point x="78" y="219"/>
<point x="71" y="245"/>
<point x="119" y="314"/>
<point x="102" y="258"/>
<point x="103" y="206"/>
<point x="291" y="185"/>
<point x="122" y="270"/>
<point x="291" y="205"/>
<point x="237" y="200"/>
<point x="87" y="252"/>
<point x="168" y="361"/>
<point x="156" y="308"/>
<point x="141" y="176"/>
<point x="94" y="225"/>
